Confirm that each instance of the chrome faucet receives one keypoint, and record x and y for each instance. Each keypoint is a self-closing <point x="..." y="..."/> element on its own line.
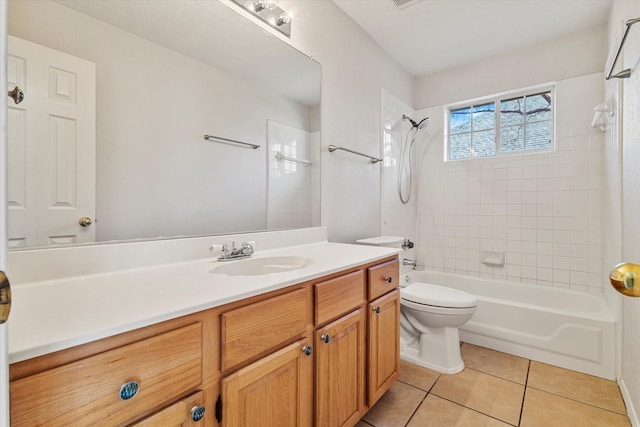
<point x="245" y="251"/>
<point x="412" y="262"/>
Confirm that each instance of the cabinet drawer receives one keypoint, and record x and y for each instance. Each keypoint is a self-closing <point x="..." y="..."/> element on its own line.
<point x="87" y="392"/>
<point x="383" y="278"/>
<point x="257" y="328"/>
<point x="338" y="296"/>
<point x="178" y="415"/>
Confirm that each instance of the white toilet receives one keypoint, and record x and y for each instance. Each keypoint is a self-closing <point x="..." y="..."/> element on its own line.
<point x="429" y="322"/>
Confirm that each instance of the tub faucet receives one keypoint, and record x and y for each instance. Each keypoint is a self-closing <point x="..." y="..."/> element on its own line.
<point x="412" y="262"/>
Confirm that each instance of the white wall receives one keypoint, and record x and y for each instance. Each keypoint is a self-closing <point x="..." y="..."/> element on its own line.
<point x="153" y="107"/>
<point x="543" y="210"/>
<point x="629" y="89"/>
<point x="354" y="70"/>
<point x="561" y="58"/>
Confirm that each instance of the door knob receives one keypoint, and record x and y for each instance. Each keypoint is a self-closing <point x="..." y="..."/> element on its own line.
<point x="85" y="221"/>
<point x="17" y="94"/>
<point x="5" y="297"/>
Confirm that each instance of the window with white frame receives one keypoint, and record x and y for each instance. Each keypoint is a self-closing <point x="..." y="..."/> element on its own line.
<point x="515" y="123"/>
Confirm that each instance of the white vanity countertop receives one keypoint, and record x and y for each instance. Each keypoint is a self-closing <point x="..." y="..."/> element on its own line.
<point x="48" y="316"/>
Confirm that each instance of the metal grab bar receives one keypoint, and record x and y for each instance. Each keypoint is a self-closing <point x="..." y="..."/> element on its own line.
<point x="333" y="148"/>
<point x="627" y="71"/>
<point x="227" y="140"/>
<point x="281" y="157"/>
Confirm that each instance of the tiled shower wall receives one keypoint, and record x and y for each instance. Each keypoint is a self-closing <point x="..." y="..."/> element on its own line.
<point x="544" y="210"/>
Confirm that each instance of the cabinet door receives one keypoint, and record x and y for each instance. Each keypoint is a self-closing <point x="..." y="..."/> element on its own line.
<point x="340" y="371"/>
<point x="384" y="344"/>
<point x="277" y="390"/>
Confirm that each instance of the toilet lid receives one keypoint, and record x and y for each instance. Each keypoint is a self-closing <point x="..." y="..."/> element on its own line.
<point x="439" y="296"/>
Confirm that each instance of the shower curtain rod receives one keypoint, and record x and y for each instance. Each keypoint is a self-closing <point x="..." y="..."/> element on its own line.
<point x="627" y="71"/>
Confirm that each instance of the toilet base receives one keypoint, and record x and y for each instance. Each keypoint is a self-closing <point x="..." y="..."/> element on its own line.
<point x="437" y="349"/>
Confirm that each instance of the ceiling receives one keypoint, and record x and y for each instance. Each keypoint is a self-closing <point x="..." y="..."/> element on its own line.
<point x="426" y="36"/>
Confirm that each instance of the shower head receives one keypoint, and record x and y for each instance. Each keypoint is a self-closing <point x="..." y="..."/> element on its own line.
<point x="420" y="125"/>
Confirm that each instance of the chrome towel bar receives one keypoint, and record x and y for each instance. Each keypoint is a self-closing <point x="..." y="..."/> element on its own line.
<point x="227" y="140"/>
<point x="281" y="157"/>
<point x="627" y="71"/>
<point x="333" y="148"/>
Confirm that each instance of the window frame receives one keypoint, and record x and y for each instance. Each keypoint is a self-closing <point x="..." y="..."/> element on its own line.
<point x="496" y="99"/>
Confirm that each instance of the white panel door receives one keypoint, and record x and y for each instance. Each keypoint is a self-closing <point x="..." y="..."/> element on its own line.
<point x="4" y="336"/>
<point x="51" y="146"/>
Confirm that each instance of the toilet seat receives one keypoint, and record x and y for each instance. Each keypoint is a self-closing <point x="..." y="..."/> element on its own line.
<point x="437" y="296"/>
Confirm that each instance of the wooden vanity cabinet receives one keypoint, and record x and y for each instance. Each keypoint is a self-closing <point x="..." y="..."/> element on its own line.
<point x="184" y="413"/>
<point x="340" y="350"/>
<point x="120" y="380"/>
<point x="277" y="390"/>
<point x="340" y="371"/>
<point x="258" y="362"/>
<point x="384" y="328"/>
<point x="384" y="345"/>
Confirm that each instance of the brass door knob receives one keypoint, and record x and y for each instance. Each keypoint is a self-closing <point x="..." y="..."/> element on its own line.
<point x="5" y="297"/>
<point x="85" y="221"/>
<point x="623" y="278"/>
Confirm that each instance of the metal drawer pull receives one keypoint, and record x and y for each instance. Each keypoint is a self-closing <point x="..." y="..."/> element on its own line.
<point x="376" y="309"/>
<point x="197" y="413"/>
<point x="129" y="390"/>
<point x="307" y="350"/>
<point x="388" y="279"/>
<point x="325" y="338"/>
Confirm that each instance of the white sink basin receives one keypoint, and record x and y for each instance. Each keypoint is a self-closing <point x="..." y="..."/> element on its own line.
<point x="259" y="266"/>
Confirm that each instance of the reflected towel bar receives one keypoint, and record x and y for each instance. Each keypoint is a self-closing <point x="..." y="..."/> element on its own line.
<point x="627" y="71"/>
<point x="281" y="157"/>
<point x="227" y="140"/>
<point x="333" y="148"/>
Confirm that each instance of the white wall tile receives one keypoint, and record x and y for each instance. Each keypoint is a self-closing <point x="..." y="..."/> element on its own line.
<point x="544" y="209"/>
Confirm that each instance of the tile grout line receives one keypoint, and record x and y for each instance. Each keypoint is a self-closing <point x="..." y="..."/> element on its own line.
<point x="524" y="395"/>
<point x="471" y="409"/>
<point x="578" y="401"/>
<point x="500" y="378"/>
<point x="427" y="392"/>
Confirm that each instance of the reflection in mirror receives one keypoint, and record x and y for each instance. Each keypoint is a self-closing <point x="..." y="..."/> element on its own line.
<point x="118" y="98"/>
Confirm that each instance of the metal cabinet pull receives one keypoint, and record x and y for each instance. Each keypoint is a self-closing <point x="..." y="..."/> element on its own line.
<point x="307" y="350"/>
<point x="325" y="338"/>
<point x="388" y="279"/>
<point x="5" y="297"/>
<point x="376" y="309"/>
<point x="197" y="412"/>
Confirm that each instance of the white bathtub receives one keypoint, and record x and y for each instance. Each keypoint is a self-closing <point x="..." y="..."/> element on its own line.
<point x="561" y="327"/>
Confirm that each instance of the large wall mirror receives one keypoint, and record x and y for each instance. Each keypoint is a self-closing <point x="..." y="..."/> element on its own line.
<point x="109" y="142"/>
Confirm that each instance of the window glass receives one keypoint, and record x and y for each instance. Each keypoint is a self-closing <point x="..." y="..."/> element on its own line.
<point x="501" y="126"/>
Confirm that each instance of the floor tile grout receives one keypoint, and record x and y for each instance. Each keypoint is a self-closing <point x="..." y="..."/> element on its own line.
<point x="471" y="409"/>
<point x="429" y="391"/>
<point x="524" y="395"/>
<point x="578" y="401"/>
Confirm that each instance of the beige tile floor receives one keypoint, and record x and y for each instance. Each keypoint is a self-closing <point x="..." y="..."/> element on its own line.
<point x="498" y="390"/>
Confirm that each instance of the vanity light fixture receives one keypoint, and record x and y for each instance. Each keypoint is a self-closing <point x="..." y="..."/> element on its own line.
<point x="285" y="18"/>
<point x="260" y="5"/>
<point x="269" y="12"/>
